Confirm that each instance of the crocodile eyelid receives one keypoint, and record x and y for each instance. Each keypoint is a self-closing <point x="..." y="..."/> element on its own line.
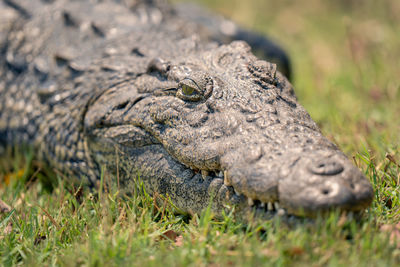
<point x="192" y="84"/>
<point x="191" y="80"/>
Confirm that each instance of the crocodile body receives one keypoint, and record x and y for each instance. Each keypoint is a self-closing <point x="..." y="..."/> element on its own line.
<point x="94" y="83"/>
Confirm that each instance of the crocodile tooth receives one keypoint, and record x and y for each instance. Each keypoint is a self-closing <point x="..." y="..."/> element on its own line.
<point x="226" y="182"/>
<point x="204" y="174"/>
<point x="250" y="201"/>
<point x="276" y="205"/>
<point x="281" y="212"/>
<point x="262" y="205"/>
<point x="270" y="206"/>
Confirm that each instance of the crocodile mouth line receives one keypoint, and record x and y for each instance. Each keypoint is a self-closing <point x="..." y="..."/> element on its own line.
<point x="270" y="208"/>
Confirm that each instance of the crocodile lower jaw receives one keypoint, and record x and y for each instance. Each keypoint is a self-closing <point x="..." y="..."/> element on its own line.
<point x="269" y="209"/>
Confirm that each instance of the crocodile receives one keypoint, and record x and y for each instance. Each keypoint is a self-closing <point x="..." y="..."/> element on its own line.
<point x="133" y="90"/>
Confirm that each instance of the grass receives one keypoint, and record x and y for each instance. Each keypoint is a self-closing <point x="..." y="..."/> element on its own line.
<point x="346" y="61"/>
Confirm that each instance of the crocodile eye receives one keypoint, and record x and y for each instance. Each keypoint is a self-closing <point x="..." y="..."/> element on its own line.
<point x="187" y="90"/>
<point x="196" y="88"/>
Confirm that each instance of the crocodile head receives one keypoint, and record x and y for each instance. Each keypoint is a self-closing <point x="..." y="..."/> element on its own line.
<point x="221" y="124"/>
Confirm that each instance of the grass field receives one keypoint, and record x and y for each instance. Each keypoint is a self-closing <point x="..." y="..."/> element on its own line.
<point x="346" y="61"/>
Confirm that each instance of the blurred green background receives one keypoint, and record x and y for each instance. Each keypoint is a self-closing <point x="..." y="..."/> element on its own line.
<point x="346" y="61"/>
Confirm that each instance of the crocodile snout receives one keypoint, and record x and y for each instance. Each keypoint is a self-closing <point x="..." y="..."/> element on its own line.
<point x="302" y="183"/>
<point x="321" y="183"/>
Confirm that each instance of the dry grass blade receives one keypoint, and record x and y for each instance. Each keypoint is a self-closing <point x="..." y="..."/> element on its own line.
<point x="392" y="159"/>
<point x="50" y="218"/>
<point x="4" y="208"/>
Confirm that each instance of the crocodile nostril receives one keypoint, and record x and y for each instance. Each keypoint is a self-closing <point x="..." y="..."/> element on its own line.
<point x="325" y="191"/>
<point x="325" y="167"/>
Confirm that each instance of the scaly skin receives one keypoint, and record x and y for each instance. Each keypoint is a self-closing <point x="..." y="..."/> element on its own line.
<point x="98" y="85"/>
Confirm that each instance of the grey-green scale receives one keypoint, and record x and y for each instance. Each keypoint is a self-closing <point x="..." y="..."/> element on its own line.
<point x="149" y="89"/>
